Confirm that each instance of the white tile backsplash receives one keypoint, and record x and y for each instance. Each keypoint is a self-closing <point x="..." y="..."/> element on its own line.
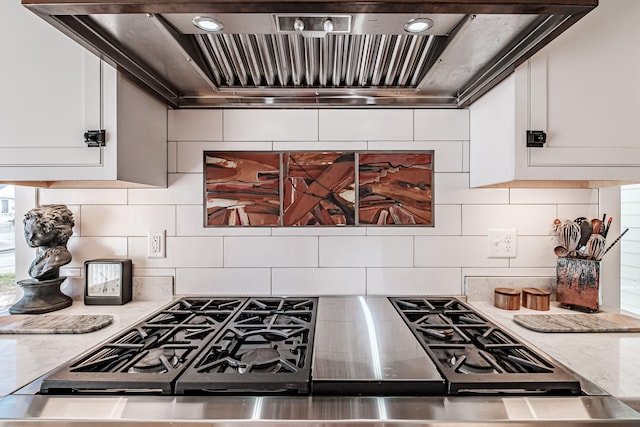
<point x="183" y="189"/>
<point x="534" y="251"/>
<point x="518" y="272"/>
<point x="223" y="281"/>
<point x="271" y="251"/>
<point x="113" y="223"/>
<point x="532" y="196"/>
<point x="414" y="281"/>
<point x="86" y="248"/>
<point x="319" y="281"/>
<point x="369" y="125"/>
<point x="270" y="125"/>
<point x="441" y="124"/>
<point x="195" y="125"/>
<point x="153" y="272"/>
<point x="368" y="251"/>
<point x="180" y="252"/>
<point x="454" y="251"/>
<point x="565" y="212"/>
<point x="82" y="196"/>
<point x="528" y="220"/>
<point x="127" y="220"/>
<point x="453" y="188"/>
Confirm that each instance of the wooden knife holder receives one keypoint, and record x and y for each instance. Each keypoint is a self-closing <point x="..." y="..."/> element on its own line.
<point x="578" y="284"/>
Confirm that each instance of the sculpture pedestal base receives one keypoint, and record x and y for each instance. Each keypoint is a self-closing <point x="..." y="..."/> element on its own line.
<point x="41" y="296"/>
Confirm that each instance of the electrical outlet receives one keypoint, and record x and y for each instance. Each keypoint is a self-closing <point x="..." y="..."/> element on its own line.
<point x="501" y="243"/>
<point x="156" y="247"/>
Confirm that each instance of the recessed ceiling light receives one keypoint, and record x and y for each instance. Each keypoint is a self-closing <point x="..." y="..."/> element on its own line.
<point x="206" y="23"/>
<point x="418" y="25"/>
<point x="328" y="25"/>
<point x="298" y="25"/>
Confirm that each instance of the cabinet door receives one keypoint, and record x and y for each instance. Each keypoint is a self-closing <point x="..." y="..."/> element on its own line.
<point x="584" y="91"/>
<point x="51" y="90"/>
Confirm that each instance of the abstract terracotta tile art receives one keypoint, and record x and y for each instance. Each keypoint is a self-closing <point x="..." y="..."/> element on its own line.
<point x="318" y="188"/>
<point x="242" y="188"/>
<point x="395" y="188"/>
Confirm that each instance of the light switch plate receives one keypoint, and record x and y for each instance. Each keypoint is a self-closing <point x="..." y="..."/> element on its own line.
<point x="501" y="243"/>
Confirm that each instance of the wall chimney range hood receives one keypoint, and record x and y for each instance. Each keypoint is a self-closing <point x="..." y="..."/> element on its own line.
<point x="314" y="53"/>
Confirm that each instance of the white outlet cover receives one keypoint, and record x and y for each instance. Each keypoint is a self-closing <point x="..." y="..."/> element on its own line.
<point x="502" y="243"/>
<point x="156" y="244"/>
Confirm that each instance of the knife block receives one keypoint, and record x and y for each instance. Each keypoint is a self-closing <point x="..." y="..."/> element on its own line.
<point x="578" y="283"/>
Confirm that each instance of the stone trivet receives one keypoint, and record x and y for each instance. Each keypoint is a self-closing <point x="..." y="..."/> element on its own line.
<point x="57" y="324"/>
<point x="598" y="322"/>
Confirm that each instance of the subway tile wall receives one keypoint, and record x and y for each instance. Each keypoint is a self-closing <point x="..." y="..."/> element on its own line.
<point x="328" y="260"/>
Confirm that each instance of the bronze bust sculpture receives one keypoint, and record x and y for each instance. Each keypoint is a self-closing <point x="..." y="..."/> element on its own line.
<point x="47" y="228"/>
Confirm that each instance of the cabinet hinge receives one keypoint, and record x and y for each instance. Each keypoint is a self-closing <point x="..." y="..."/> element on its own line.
<point x="536" y="138"/>
<point x="95" y="138"/>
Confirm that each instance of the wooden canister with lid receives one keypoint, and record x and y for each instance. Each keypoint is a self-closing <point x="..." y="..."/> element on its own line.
<point x="535" y="299"/>
<point x="506" y="298"/>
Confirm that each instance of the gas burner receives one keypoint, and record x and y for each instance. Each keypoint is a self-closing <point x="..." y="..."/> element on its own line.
<point x="260" y="360"/>
<point x="157" y="360"/>
<point x="279" y="319"/>
<point x="435" y="319"/>
<point x="470" y="360"/>
<point x="440" y="334"/>
<point x="199" y="320"/>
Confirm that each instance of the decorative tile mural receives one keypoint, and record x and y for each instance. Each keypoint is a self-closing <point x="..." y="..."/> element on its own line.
<point x="318" y="188"/>
<point x="395" y="188"/>
<point x="242" y="188"/>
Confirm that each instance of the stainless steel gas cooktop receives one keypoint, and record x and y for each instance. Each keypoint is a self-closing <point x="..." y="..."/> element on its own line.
<point x="304" y="345"/>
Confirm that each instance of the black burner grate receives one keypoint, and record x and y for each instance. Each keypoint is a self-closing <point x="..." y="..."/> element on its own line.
<point x="149" y="356"/>
<point x="476" y="356"/>
<point x="266" y="347"/>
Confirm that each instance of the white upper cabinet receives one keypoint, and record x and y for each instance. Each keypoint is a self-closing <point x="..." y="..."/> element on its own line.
<point x="582" y="91"/>
<point x="54" y="91"/>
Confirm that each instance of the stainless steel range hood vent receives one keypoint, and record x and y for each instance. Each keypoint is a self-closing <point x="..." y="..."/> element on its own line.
<point x="314" y="53"/>
<point x="334" y="61"/>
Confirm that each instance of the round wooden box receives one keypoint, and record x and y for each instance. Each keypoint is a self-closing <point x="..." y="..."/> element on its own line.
<point x="535" y="299"/>
<point x="506" y="298"/>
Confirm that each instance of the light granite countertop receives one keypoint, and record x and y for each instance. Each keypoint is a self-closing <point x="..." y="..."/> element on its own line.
<point x="608" y="359"/>
<point x="25" y="358"/>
